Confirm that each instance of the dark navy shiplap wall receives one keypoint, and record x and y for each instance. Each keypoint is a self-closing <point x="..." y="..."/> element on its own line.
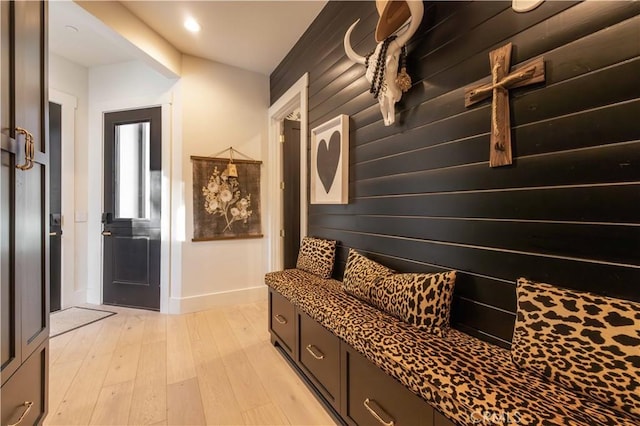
<point x="422" y="195"/>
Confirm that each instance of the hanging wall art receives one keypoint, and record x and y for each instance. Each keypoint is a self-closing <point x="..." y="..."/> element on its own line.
<point x="386" y="68"/>
<point x="226" y="198"/>
<point x="330" y="162"/>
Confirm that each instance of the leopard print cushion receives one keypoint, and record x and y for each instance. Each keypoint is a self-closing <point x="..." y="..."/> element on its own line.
<point x="361" y="275"/>
<point x="588" y="343"/>
<point x="317" y="256"/>
<point x="464" y="378"/>
<point x="423" y="300"/>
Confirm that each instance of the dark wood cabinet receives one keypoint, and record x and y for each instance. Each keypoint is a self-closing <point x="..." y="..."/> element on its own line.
<point x="282" y="320"/>
<point x="373" y="397"/>
<point x="22" y="394"/>
<point x="440" y="420"/>
<point x="353" y="389"/>
<point x="24" y="317"/>
<point x="319" y="354"/>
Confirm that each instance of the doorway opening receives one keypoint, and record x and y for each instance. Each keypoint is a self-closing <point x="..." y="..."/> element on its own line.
<point x="131" y="217"/>
<point x="62" y="233"/>
<point x="55" y="207"/>
<point x="295" y="99"/>
<point x="291" y="189"/>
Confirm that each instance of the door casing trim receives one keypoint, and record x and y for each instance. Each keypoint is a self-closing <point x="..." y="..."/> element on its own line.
<point x="169" y="265"/>
<point x="296" y="97"/>
<point x="71" y="294"/>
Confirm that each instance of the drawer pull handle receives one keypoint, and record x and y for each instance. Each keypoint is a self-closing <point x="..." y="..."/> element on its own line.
<point x="28" y="405"/>
<point x="280" y="319"/>
<point x="367" y="405"/>
<point x="315" y="352"/>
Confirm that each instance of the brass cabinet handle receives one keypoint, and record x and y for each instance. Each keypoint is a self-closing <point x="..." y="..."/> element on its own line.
<point x="315" y="352"/>
<point x="28" y="405"/>
<point x="367" y="404"/>
<point x="280" y="319"/>
<point x="106" y="233"/>
<point x="29" y="149"/>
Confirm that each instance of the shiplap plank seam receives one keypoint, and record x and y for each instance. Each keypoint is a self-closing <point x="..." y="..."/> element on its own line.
<point x="487" y="306"/>
<point x="484" y="219"/>
<point x="522" y="188"/>
<point x="543" y="154"/>
<point x="417" y="262"/>
<point x="488" y="336"/>
<point x="485" y="248"/>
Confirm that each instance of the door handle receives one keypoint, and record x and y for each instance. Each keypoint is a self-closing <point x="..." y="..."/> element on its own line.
<point x="29" y="149"/>
<point x="106" y="233"/>
<point x="53" y="234"/>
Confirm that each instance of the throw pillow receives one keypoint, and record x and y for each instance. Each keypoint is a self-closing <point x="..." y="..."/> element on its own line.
<point x="586" y="342"/>
<point x="361" y="274"/>
<point x="317" y="256"/>
<point x="423" y="300"/>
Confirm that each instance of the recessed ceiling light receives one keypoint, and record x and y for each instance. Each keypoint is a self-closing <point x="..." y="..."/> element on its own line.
<point x="192" y="25"/>
<point x="71" y="28"/>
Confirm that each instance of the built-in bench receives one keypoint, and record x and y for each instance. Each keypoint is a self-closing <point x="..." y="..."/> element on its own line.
<point x="372" y="368"/>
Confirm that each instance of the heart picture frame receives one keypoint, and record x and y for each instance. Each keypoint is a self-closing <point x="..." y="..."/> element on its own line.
<point x="330" y="162"/>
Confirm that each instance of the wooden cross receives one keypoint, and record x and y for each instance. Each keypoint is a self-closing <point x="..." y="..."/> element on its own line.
<point x="501" y="82"/>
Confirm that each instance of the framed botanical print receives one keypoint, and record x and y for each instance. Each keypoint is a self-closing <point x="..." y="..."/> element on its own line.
<point x="226" y="199"/>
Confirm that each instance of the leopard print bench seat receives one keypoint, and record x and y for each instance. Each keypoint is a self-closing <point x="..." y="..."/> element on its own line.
<point x="464" y="378"/>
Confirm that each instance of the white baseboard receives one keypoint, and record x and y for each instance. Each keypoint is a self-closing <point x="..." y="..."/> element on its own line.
<point x="93" y="295"/>
<point x="201" y="302"/>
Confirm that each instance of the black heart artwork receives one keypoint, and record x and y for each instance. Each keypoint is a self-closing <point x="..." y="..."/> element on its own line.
<point x="327" y="160"/>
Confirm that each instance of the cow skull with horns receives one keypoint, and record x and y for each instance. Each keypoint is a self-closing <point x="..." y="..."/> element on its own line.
<point x="390" y="91"/>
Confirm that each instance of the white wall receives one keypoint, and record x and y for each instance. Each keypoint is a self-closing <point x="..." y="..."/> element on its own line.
<point x="72" y="79"/>
<point x="222" y="106"/>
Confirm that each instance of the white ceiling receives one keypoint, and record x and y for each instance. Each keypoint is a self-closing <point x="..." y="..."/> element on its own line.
<point x="253" y="35"/>
<point x="91" y="45"/>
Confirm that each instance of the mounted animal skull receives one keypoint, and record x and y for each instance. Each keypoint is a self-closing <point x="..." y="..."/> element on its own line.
<point x="382" y="63"/>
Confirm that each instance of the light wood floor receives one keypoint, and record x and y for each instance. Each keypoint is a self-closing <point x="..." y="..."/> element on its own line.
<point x="211" y="367"/>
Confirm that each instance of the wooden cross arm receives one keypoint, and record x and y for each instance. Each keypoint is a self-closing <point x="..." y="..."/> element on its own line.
<point x="523" y="75"/>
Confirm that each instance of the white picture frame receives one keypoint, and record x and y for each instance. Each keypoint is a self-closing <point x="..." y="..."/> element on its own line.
<point x="330" y="162"/>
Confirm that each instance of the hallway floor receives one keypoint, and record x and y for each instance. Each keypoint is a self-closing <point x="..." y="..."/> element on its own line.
<point x="211" y="367"/>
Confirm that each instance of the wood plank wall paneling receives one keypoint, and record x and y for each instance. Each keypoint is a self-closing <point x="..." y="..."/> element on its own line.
<point x="422" y="195"/>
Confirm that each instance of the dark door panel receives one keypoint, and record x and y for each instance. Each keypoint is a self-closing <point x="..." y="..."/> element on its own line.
<point x="55" y="205"/>
<point x="24" y="212"/>
<point x="132" y="199"/>
<point x="291" y="195"/>
<point x="10" y="333"/>
<point x="133" y="277"/>
<point x="32" y="270"/>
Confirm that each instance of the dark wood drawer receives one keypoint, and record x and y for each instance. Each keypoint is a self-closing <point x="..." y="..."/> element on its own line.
<point x="440" y="420"/>
<point x="282" y="320"/>
<point x="375" y="398"/>
<point x="27" y="386"/>
<point x="320" y="355"/>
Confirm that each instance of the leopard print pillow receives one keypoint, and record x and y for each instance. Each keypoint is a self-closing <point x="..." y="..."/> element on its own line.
<point x="317" y="256"/>
<point x="423" y="300"/>
<point x="586" y="342"/>
<point x="361" y="273"/>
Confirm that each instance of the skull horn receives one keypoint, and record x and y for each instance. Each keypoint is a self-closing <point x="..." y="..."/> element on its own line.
<point x="417" y="11"/>
<point x="347" y="45"/>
